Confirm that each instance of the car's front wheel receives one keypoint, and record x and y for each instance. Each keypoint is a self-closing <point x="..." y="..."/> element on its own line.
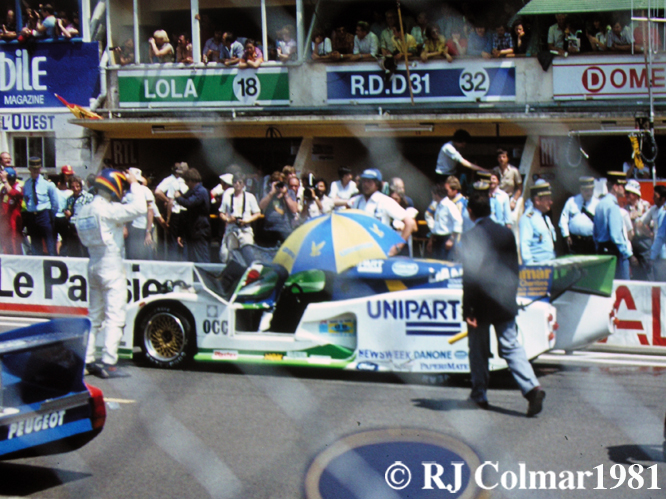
<point x="167" y="337"/>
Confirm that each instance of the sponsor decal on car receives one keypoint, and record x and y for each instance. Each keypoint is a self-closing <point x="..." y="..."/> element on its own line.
<point x="460" y="354"/>
<point x="35" y="423"/>
<point x="405" y="269"/>
<point x="440" y="366"/>
<point x="273" y="356"/>
<point x="367" y="366"/>
<point x="446" y="273"/>
<point x="343" y="326"/>
<point x="405" y="354"/>
<point x="414" y="309"/>
<point x="371" y="267"/>
<point x="225" y="355"/>
<point x="295" y="355"/>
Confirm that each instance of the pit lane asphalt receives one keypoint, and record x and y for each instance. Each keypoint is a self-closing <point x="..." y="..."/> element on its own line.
<point x="246" y="432"/>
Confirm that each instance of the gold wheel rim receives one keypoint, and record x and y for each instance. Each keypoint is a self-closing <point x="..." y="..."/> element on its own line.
<point x="165" y="337"/>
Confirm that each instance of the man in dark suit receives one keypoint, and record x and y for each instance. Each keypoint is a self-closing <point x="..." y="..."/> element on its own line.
<point x="197" y="230"/>
<point x="490" y="284"/>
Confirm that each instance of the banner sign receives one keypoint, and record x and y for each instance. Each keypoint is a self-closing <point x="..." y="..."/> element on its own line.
<point x="466" y="81"/>
<point x="42" y="286"/>
<point x="23" y="122"/>
<point x="203" y="88"/>
<point x="30" y="78"/>
<point x="600" y="77"/>
<point x="638" y="315"/>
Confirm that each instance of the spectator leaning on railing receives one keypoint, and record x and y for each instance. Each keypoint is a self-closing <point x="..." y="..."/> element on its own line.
<point x="232" y="49"/>
<point x="184" y="50"/>
<point x="321" y="46"/>
<point x="252" y="56"/>
<point x="213" y="47"/>
<point x="286" y="48"/>
<point x="502" y="42"/>
<point x="366" y="43"/>
<point x="434" y="46"/>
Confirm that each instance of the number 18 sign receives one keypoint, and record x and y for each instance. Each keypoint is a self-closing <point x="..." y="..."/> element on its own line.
<point x="185" y="87"/>
<point x="466" y="80"/>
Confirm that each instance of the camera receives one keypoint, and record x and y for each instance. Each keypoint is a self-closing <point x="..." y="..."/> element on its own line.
<point x="279" y="185"/>
<point x="307" y="194"/>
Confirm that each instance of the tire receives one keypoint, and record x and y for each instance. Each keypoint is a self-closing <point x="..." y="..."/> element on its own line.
<point x="166" y="336"/>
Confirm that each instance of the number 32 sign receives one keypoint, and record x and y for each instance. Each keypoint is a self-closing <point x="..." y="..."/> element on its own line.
<point x="465" y="80"/>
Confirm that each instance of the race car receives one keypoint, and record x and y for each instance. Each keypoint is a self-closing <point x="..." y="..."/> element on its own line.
<point x="397" y="314"/>
<point x="45" y="407"/>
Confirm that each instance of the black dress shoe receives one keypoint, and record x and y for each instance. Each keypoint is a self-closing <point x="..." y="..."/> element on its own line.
<point x="480" y="404"/>
<point x="535" y="401"/>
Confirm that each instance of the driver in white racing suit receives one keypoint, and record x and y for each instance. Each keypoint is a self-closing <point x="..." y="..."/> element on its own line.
<point x="100" y="228"/>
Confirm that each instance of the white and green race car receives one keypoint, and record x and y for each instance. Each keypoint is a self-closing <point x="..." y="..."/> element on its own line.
<point x="397" y="314"/>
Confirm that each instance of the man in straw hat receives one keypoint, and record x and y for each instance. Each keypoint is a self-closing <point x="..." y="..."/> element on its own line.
<point x="609" y="236"/>
<point x="537" y="234"/>
<point x="490" y="285"/>
<point x="577" y="219"/>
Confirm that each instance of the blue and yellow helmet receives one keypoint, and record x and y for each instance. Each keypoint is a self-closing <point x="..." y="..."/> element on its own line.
<point x="113" y="182"/>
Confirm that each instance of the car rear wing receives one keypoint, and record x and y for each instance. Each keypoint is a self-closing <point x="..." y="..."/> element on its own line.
<point x="43" y="361"/>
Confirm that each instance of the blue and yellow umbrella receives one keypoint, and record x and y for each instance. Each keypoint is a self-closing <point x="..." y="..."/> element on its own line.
<point x="336" y="242"/>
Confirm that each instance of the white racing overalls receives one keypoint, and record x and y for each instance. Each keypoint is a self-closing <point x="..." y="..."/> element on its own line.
<point x="100" y="228"/>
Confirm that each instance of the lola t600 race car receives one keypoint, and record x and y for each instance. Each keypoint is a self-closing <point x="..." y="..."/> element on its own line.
<point x="397" y="314"/>
<point x="45" y="407"/>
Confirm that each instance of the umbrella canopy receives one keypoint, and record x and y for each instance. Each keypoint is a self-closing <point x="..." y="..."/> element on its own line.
<point x="336" y="242"/>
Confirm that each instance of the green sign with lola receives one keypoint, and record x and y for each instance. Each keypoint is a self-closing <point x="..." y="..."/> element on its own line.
<point x="203" y="88"/>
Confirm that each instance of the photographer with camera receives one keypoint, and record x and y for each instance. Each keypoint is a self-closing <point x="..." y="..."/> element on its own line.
<point x="315" y="200"/>
<point x="277" y="213"/>
<point x="238" y="210"/>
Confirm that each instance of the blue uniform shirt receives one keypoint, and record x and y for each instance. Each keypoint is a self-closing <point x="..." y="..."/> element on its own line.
<point x="573" y="221"/>
<point x="537" y="237"/>
<point x="500" y="208"/>
<point x="47" y="196"/>
<point x="659" y="237"/>
<point x="608" y="225"/>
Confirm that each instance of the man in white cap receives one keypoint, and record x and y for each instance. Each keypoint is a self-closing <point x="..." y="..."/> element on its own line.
<point x="641" y="241"/>
<point x="577" y="219"/>
<point x="226" y="184"/>
<point x="381" y="206"/>
<point x="140" y="231"/>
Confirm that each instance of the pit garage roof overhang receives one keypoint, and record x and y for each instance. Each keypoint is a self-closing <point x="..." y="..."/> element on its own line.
<point x="215" y="125"/>
<point x="539" y="7"/>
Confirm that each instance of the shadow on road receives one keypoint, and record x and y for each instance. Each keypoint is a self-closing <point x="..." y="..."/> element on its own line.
<point x="636" y="454"/>
<point x="25" y="480"/>
<point x="449" y="405"/>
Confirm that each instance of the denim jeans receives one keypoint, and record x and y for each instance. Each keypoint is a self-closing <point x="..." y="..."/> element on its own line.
<point x="622" y="270"/>
<point x="509" y="349"/>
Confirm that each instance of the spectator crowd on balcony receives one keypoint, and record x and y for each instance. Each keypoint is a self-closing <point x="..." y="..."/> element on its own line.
<point x="386" y="35"/>
<point x="41" y="23"/>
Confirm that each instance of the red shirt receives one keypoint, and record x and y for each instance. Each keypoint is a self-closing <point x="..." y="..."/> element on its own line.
<point x="11" y="197"/>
